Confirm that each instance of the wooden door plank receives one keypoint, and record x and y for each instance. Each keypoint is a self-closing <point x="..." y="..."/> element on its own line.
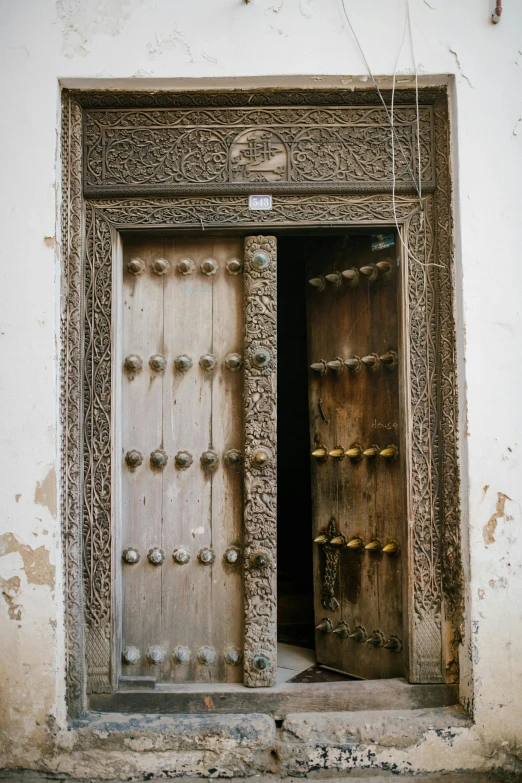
<point x="189" y="605"/>
<point x="366" y="497"/>
<point x="187" y="608"/>
<point x="141" y="422"/>
<point x="227" y="481"/>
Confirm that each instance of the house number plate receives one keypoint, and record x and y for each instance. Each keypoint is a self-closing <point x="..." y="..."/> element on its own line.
<point x="260" y="202"/>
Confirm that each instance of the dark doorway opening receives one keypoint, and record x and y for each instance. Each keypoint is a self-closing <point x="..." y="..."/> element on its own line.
<point x="295" y="599"/>
<point x="295" y="575"/>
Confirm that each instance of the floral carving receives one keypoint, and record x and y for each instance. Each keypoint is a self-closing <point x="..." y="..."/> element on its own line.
<point x="168" y="150"/>
<point x="71" y="409"/>
<point x="443" y="228"/>
<point x="97" y="532"/>
<point x="260" y="482"/>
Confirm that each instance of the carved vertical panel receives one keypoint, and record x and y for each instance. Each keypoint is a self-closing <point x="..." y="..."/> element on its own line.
<point x="260" y="534"/>
<point x="71" y="328"/>
<point x="97" y="531"/>
<point x="426" y="664"/>
<point x="450" y="479"/>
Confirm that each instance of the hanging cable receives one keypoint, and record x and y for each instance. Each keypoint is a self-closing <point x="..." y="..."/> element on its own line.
<point x="394" y="137"/>
<point x="407" y="21"/>
<point x="394" y="132"/>
<point x="417" y="113"/>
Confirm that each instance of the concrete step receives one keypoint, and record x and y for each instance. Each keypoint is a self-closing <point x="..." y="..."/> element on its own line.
<point x="28" y="776"/>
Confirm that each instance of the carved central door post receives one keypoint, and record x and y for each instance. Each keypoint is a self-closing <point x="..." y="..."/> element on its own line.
<point x="260" y="518"/>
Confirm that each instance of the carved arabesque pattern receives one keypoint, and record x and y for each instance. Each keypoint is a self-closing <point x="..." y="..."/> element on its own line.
<point x="263" y="98"/>
<point x="71" y="413"/>
<point x="425" y="540"/>
<point x="169" y="150"/>
<point x="447" y="381"/>
<point x="97" y="532"/>
<point x="260" y="519"/>
<point x="223" y="211"/>
<point x="435" y="519"/>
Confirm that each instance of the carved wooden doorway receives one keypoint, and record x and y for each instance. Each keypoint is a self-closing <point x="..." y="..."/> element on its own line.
<point x="179" y="423"/>
<point x="106" y="202"/>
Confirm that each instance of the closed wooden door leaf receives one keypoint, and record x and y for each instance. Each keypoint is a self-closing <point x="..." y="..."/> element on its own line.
<point x="196" y="434"/>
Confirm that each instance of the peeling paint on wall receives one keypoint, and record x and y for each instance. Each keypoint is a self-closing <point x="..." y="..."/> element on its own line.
<point x="10" y="588"/>
<point x="489" y="528"/>
<point x="45" y="491"/>
<point x="38" y="569"/>
<point x="164" y="44"/>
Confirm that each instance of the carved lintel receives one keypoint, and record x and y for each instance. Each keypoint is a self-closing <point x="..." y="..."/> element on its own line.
<point x="299" y="147"/>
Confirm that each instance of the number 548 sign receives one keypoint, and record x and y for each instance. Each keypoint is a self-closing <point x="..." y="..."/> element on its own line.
<point x="260" y="202"/>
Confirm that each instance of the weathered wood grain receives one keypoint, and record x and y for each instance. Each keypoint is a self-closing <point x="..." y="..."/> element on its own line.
<point x="141" y="424"/>
<point x="227" y="482"/>
<point x="394" y="694"/>
<point x="191" y="605"/>
<point x="366" y="497"/>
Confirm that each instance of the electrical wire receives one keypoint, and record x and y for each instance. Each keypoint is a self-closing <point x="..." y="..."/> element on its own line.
<point x="414" y="60"/>
<point x="407" y="20"/>
<point x="394" y="137"/>
<point x="394" y="132"/>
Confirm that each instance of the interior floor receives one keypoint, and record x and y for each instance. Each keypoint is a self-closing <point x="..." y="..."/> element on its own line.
<point x="293" y="660"/>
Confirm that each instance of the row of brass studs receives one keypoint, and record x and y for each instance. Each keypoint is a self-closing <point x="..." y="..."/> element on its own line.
<point x="209" y="459"/>
<point x="355" y="452"/>
<point x="133" y="362"/>
<point x="391" y="548"/>
<point x="376" y="639"/>
<point x="185" y="266"/>
<point x="382" y="269"/>
<point x="181" y="555"/>
<point x="181" y="655"/>
<point x="206" y="556"/>
<point x="372" y="362"/>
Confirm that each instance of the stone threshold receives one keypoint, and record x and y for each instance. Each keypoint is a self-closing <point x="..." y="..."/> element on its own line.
<point x="498" y="776"/>
<point x="278" y="701"/>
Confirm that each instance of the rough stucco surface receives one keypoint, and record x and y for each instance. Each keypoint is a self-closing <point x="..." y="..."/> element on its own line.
<point x="151" y="43"/>
<point x="121" y="746"/>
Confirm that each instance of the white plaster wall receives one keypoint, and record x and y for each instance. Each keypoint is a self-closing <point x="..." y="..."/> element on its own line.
<point x="162" y="43"/>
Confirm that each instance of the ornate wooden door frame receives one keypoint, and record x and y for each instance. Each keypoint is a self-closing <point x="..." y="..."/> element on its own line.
<point x="90" y="229"/>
